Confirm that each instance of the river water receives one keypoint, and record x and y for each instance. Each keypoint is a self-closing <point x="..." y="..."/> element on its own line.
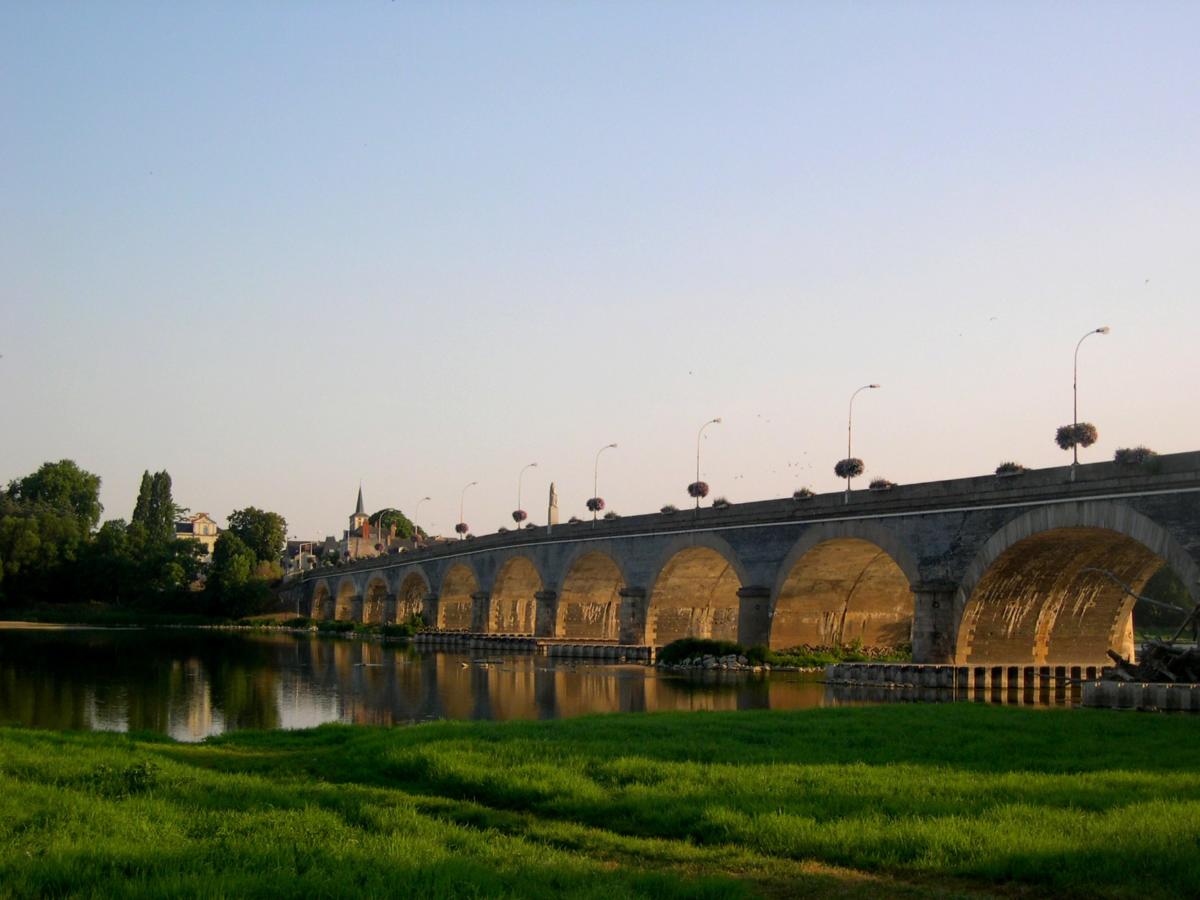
<point x="190" y="683"/>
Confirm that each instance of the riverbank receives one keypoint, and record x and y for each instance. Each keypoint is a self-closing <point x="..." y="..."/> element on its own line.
<point x="946" y="800"/>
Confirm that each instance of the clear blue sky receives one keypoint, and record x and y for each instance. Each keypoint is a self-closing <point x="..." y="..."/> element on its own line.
<point x="275" y="248"/>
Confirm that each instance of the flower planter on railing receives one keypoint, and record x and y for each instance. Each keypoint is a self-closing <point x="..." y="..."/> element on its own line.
<point x="849" y="468"/>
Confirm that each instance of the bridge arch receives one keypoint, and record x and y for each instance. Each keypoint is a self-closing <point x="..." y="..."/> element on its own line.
<point x="347" y="591"/>
<point x="844" y="582"/>
<point x="589" y="599"/>
<point x="411" y="594"/>
<point x="375" y="600"/>
<point x="454" y="597"/>
<point x="322" y="601"/>
<point x="1027" y="597"/>
<point x="513" y="604"/>
<point x="695" y="591"/>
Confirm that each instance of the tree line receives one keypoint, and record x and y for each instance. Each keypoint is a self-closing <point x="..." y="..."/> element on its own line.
<point x="53" y="549"/>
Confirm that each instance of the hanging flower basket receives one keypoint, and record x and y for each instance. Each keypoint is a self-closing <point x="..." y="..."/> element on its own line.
<point x="1133" y="456"/>
<point x="1083" y="434"/>
<point x="882" y="484"/>
<point x="803" y="494"/>
<point x="519" y="516"/>
<point x="462" y="528"/>
<point x="1009" y="469"/>
<point x="849" y="468"/>
<point x="698" y="489"/>
<point x="595" y="504"/>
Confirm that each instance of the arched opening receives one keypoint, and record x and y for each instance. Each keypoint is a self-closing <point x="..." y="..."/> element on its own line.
<point x="454" y="601"/>
<point x="1056" y="597"/>
<point x="344" y="609"/>
<point x="410" y="599"/>
<point x="373" y="603"/>
<point x="513" y="601"/>
<point x="841" y="591"/>
<point x="695" y="595"/>
<point x="589" y="603"/>
<point x="322" y="602"/>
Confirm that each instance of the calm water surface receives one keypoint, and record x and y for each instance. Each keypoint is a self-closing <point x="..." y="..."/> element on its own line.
<point x="190" y="684"/>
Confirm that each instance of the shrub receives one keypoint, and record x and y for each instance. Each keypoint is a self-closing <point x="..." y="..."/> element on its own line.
<point x="803" y="494"/>
<point x="1133" y="456"/>
<point x="530" y="525"/>
<point x="687" y="648"/>
<point x="337" y="626"/>
<point x="698" y="489"/>
<point x="574" y="520"/>
<point x="610" y="515"/>
<point x="849" y="468"/>
<point x="721" y="503"/>
<point x="1083" y="434"/>
<point x="502" y="530"/>
<point x="882" y="484"/>
<point x="1009" y="468"/>
<point x="668" y="509"/>
<point x="298" y="622"/>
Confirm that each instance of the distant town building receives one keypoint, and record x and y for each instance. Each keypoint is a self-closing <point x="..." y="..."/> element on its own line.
<point x="200" y="528"/>
<point x="362" y="539"/>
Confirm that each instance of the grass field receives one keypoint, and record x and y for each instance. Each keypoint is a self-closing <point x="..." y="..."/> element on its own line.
<point x="903" y="800"/>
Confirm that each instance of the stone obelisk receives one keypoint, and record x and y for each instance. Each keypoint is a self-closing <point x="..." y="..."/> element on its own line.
<point x="552" y="510"/>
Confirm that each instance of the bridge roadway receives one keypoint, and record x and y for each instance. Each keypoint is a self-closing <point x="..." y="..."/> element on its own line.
<point x="971" y="571"/>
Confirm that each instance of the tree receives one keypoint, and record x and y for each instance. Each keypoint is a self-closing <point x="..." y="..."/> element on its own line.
<point x="232" y="588"/>
<point x="390" y="517"/>
<point x="155" y="512"/>
<point x="265" y="533"/>
<point x="64" y="486"/>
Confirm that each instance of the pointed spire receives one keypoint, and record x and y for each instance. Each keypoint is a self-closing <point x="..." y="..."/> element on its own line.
<point x="358" y="510"/>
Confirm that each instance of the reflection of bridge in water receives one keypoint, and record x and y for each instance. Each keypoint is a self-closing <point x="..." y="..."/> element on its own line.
<point x="974" y="571"/>
<point x="368" y="682"/>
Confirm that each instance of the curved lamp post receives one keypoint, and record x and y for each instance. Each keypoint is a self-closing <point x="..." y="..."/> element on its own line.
<point x="850" y="430"/>
<point x="1103" y="329"/>
<point x="461" y="527"/>
<point x="519" y="515"/>
<point x="698" y="488"/>
<point x="596" y="503"/>
<point x="416" y="514"/>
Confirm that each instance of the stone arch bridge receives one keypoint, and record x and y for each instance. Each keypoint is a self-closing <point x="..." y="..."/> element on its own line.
<point x="971" y="571"/>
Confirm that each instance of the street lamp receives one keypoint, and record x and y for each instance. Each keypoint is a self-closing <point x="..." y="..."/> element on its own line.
<point x="461" y="527"/>
<point x="519" y="515"/>
<point x="416" y="513"/>
<point x="850" y="461"/>
<point x="698" y="488"/>
<point x="1104" y="329"/>
<point x="597" y="502"/>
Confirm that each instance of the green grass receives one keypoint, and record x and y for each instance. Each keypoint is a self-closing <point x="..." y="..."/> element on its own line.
<point x="902" y="800"/>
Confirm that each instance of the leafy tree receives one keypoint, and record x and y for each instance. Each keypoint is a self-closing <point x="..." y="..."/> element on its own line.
<point x="39" y="544"/>
<point x="390" y="517"/>
<point x="155" y="512"/>
<point x="232" y="588"/>
<point x="62" y="485"/>
<point x="265" y="533"/>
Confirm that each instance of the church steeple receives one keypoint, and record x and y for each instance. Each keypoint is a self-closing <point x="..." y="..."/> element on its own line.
<point x="359" y="518"/>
